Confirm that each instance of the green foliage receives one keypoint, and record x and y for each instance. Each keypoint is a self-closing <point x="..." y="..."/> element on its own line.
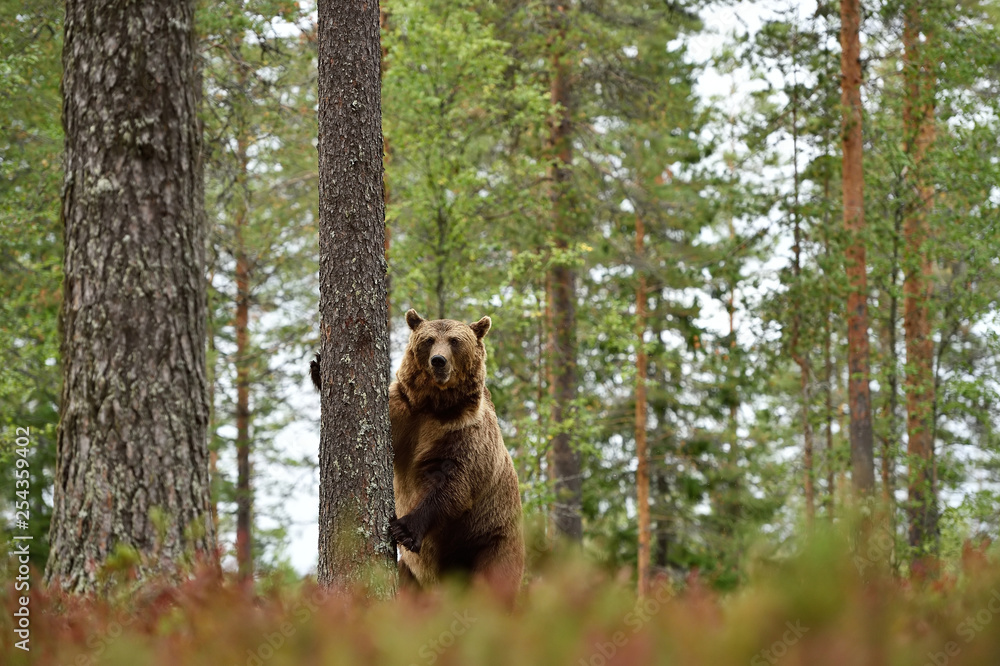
<point x="30" y="250"/>
<point x="458" y="118"/>
<point x="260" y="134"/>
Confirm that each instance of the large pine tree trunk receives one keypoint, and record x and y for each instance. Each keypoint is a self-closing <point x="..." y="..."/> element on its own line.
<point x="918" y="122"/>
<point x="859" y="396"/>
<point x="134" y="414"/>
<point x="355" y="456"/>
<point x="565" y="459"/>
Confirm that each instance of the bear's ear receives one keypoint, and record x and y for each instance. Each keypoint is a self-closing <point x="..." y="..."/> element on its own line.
<point x="481" y="327"/>
<point x="413" y="319"/>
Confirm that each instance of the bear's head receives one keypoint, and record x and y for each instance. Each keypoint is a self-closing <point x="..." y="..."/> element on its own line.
<point x="445" y="360"/>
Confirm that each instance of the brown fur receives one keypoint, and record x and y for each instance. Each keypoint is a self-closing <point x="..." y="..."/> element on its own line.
<point x="456" y="490"/>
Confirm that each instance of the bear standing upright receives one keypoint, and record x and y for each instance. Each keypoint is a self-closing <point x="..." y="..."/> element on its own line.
<point x="457" y="497"/>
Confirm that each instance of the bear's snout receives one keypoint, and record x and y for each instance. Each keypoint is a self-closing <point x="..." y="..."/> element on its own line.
<point x="440" y="366"/>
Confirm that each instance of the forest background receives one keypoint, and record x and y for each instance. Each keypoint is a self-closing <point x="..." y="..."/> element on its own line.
<point x="697" y="176"/>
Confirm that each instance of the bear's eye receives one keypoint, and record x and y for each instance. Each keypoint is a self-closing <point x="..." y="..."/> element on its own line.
<point x="453" y="341"/>
<point x="429" y="341"/>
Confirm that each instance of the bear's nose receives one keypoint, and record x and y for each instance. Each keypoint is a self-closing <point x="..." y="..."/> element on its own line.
<point x="438" y="361"/>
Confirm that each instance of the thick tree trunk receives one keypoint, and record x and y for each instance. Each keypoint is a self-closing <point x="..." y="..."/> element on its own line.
<point x="355" y="457"/>
<point x="859" y="395"/>
<point x="641" y="452"/>
<point x="918" y="123"/>
<point x="562" y="302"/>
<point x="132" y="433"/>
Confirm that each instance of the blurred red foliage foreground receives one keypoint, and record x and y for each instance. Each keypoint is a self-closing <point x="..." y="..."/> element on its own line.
<point x="820" y="607"/>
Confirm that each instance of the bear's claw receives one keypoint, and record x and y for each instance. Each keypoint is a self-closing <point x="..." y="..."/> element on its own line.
<point x="401" y="532"/>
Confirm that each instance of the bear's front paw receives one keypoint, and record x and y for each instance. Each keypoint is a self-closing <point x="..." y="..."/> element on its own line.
<point x="401" y="532"/>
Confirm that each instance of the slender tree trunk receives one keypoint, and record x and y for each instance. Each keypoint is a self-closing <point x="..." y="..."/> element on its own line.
<point x="383" y="22"/>
<point x="132" y="433"/>
<point x="562" y="300"/>
<point x="892" y="436"/>
<point x="244" y="497"/>
<point x="355" y="456"/>
<point x="918" y="122"/>
<point x="808" y="471"/>
<point x="828" y="405"/>
<point x="732" y="502"/>
<point x="213" y="455"/>
<point x="641" y="452"/>
<point x="663" y="525"/>
<point x="440" y="286"/>
<point x="828" y="365"/>
<point x="800" y="357"/>
<point x="859" y="396"/>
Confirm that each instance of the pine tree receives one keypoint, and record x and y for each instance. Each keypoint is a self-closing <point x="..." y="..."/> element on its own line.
<point x="355" y="444"/>
<point x="918" y="132"/>
<point x="132" y="451"/>
<point x="261" y="184"/>
<point x="30" y="252"/>
<point x="862" y="456"/>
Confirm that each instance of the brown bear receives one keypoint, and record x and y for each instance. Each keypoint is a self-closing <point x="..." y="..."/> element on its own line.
<point x="457" y="497"/>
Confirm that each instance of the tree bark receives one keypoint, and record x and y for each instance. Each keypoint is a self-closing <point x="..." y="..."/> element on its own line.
<point x="132" y="450"/>
<point x="919" y="131"/>
<point x="859" y="395"/>
<point x="355" y="457"/>
<point x="213" y="455"/>
<point x="244" y="496"/>
<point x="641" y="451"/>
<point x="562" y="299"/>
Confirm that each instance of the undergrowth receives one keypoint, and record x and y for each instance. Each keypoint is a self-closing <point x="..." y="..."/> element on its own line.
<point x="819" y="607"/>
